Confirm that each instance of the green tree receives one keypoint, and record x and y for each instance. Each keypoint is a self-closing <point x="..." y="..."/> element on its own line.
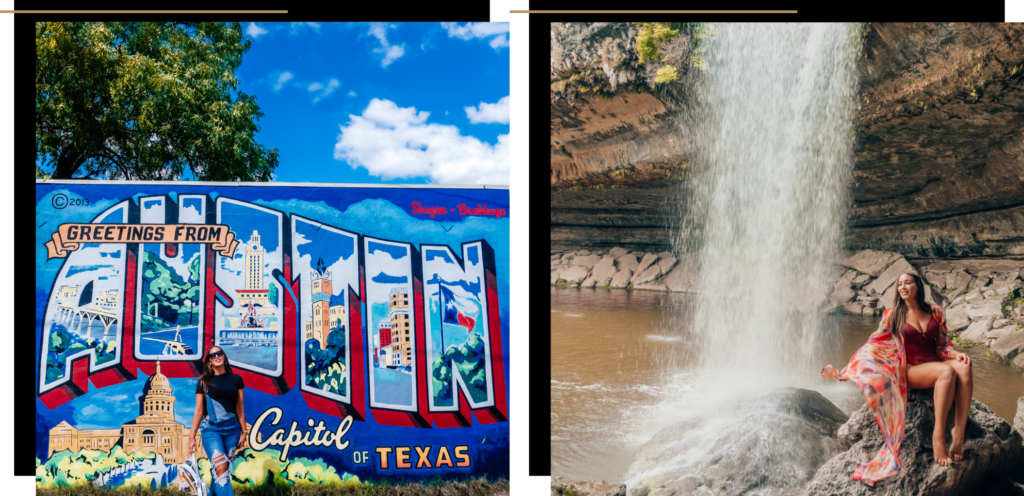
<point x="272" y="294"/>
<point x="145" y="100"/>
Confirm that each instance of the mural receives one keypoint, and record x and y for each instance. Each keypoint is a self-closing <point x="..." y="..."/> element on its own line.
<point x="370" y="325"/>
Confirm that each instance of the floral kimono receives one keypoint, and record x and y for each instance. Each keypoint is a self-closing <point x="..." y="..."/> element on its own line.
<point x="879" y="370"/>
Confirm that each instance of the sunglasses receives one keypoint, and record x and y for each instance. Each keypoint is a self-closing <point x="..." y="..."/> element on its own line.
<point x="216" y="354"/>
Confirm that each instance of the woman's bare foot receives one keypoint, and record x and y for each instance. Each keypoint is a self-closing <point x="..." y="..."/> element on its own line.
<point x="939" y="450"/>
<point x="956" y="448"/>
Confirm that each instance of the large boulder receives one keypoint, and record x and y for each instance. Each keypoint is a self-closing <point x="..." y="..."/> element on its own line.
<point x="773" y="443"/>
<point x="957" y="319"/>
<point x="627" y="262"/>
<point x="990" y="308"/>
<point x="1009" y="346"/>
<point x="603" y="272"/>
<point x="679" y="279"/>
<point x="587" y="261"/>
<point x="574" y="274"/>
<point x="977" y="331"/>
<point x="993" y="452"/>
<point x="621" y="279"/>
<point x="647" y="261"/>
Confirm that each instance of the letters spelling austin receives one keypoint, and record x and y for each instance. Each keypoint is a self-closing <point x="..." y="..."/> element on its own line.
<point x="320" y="436"/>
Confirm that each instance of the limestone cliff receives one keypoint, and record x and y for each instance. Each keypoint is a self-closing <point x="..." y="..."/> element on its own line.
<point x="939" y="150"/>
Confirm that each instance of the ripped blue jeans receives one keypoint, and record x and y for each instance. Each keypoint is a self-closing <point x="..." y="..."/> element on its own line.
<point x="220" y="439"/>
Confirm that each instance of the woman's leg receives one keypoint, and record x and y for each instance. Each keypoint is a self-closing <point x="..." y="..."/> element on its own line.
<point x="964" y="395"/>
<point x="215" y="445"/>
<point x="940" y="376"/>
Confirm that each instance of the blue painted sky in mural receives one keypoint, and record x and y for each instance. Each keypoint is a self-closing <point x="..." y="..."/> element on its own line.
<point x="330" y="245"/>
<point x="244" y="220"/>
<point x="78" y="269"/>
<point x="195" y="204"/>
<point x="383" y="278"/>
<point x="109" y="407"/>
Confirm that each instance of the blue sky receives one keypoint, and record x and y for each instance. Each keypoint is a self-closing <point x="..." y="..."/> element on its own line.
<point x="392" y="103"/>
<point x="382" y="102"/>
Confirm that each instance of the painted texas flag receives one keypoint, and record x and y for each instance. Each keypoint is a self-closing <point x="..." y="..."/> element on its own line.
<point x="452" y="315"/>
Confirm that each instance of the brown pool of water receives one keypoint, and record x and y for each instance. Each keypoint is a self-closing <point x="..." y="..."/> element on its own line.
<point x="611" y="348"/>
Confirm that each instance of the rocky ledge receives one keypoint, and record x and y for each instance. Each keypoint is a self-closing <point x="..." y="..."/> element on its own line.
<point x="984" y="299"/>
<point x="938" y="152"/>
<point x="794" y="441"/>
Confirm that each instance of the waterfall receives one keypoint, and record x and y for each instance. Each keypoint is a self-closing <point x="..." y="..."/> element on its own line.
<point x="771" y="116"/>
<point x="773" y="121"/>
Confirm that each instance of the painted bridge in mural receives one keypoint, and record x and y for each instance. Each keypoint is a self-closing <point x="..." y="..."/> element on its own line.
<point x="66" y="315"/>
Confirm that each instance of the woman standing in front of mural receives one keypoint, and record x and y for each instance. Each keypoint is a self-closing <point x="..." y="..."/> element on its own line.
<point x="219" y="394"/>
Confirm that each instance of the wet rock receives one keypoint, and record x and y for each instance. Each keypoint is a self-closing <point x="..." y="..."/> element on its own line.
<point x="649" y="275"/>
<point x="861" y="280"/>
<point x="627" y="262"/>
<point x="889" y="296"/>
<point x="773" y="443"/>
<point x="554" y="275"/>
<point x="604" y="271"/>
<point x="976" y="332"/>
<point x="666" y="263"/>
<point x="574" y="274"/>
<point x="853" y="308"/>
<point x="993" y="450"/>
<point x="647" y="261"/>
<point x="588" y="283"/>
<point x="1010" y="345"/>
<point x="678" y="280"/>
<point x="621" y="279"/>
<point x="843" y="293"/>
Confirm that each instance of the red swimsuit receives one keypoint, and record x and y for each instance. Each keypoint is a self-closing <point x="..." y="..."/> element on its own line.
<point x="921" y="348"/>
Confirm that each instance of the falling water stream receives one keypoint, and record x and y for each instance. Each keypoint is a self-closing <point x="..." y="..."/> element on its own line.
<point x="773" y="117"/>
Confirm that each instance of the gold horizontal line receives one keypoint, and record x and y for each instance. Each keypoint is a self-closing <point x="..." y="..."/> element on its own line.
<point x="652" y="12"/>
<point x="143" y="11"/>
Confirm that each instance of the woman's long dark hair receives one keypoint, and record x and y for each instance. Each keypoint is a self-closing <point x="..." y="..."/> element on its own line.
<point x="208" y="371"/>
<point x="898" y="313"/>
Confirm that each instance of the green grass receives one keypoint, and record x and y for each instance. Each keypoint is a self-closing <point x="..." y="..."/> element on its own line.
<point x="435" y="487"/>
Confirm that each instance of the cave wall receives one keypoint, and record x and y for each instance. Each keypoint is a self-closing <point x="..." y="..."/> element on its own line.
<point x="939" y="147"/>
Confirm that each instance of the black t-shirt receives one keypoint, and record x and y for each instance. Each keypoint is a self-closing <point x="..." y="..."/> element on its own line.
<point x="224" y="390"/>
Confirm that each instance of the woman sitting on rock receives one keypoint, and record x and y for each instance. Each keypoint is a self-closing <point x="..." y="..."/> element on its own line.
<point x="918" y="353"/>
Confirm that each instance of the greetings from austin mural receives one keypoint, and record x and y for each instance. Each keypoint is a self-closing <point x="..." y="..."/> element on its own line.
<point x="370" y="326"/>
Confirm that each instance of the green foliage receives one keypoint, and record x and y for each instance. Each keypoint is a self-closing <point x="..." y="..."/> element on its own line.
<point x="666" y="74"/>
<point x="272" y="294"/>
<point x="650" y="37"/>
<point x="325" y="368"/>
<point x="177" y="300"/>
<point x="145" y="100"/>
<point x="64" y="343"/>
<point x="469" y="359"/>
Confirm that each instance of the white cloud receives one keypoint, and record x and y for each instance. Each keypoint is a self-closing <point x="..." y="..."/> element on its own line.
<point x="391" y="52"/>
<point x="254" y="30"/>
<point x="297" y="25"/>
<point x="351" y="93"/>
<point x="315" y="86"/>
<point x="497" y="31"/>
<point x="394" y="142"/>
<point x="283" y="78"/>
<point x="331" y="85"/>
<point x="489" y="112"/>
